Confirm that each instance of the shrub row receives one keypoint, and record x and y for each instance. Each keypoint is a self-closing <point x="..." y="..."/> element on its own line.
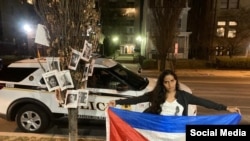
<point x="232" y="63"/>
<point x="219" y="63"/>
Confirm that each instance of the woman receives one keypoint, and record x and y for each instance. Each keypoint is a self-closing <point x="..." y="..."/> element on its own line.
<point x="167" y="99"/>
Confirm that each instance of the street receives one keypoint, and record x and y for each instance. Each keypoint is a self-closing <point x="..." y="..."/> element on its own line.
<point x="229" y="91"/>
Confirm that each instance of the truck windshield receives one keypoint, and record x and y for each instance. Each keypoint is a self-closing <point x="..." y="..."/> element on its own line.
<point x="131" y="78"/>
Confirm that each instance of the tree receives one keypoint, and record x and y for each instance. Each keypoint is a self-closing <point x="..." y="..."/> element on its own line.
<point x="69" y="23"/>
<point x="201" y="23"/>
<point x="165" y="14"/>
<point x="234" y="35"/>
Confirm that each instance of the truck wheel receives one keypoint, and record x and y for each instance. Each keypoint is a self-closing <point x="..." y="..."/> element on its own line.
<point x="31" y="118"/>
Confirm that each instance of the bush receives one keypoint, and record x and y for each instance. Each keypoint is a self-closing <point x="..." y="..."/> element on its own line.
<point x="232" y="63"/>
<point x="219" y="63"/>
<point x="7" y="59"/>
<point x="179" y="64"/>
<point x="149" y="64"/>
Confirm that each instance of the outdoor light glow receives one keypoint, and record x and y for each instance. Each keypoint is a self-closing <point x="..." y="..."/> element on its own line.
<point x="139" y="38"/>
<point x="30" y="1"/>
<point x="27" y="28"/>
<point x="115" y="39"/>
<point x="130" y="10"/>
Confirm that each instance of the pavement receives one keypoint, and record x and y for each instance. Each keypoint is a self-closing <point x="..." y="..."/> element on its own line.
<point x="193" y="72"/>
<point x="13" y="136"/>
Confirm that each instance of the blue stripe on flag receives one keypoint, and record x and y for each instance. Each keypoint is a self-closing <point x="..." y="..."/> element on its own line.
<point x="173" y="124"/>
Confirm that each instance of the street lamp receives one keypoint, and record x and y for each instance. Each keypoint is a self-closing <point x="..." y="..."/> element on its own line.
<point x="30" y="34"/>
<point x="138" y="43"/>
<point x="27" y="28"/>
<point x="115" y="39"/>
<point x="139" y="39"/>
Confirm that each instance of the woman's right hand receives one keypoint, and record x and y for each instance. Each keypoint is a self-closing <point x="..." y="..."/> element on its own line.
<point x="112" y="103"/>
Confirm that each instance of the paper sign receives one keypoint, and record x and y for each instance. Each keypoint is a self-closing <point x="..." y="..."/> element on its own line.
<point x="42" y="35"/>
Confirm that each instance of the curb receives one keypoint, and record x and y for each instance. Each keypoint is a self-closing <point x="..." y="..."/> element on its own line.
<point x="10" y="136"/>
<point x="192" y="72"/>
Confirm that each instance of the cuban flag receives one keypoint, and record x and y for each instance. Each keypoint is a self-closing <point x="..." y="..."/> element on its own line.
<point x="124" y="125"/>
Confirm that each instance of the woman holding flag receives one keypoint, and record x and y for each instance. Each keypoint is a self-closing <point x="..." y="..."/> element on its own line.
<point x="167" y="98"/>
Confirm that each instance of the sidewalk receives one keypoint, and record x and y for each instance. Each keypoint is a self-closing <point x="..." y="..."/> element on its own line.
<point x="10" y="136"/>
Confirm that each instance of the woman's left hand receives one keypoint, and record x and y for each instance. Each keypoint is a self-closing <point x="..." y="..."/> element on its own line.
<point x="233" y="109"/>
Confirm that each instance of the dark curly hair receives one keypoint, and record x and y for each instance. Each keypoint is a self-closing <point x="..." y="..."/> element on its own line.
<point x="158" y="95"/>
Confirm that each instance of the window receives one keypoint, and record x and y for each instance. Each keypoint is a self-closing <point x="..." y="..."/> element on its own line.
<point x="16" y="74"/>
<point x="129" y="39"/>
<point x="103" y="79"/>
<point x="233" y="4"/>
<point x="220" y="51"/>
<point x="130" y="30"/>
<point x="221" y="23"/>
<point x="229" y="4"/>
<point x="231" y="33"/>
<point x="221" y="31"/>
<point x="223" y="4"/>
<point x="227" y="29"/>
<point x="232" y="23"/>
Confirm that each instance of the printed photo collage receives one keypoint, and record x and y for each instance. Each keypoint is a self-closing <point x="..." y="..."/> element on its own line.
<point x="75" y="98"/>
<point x="56" y="79"/>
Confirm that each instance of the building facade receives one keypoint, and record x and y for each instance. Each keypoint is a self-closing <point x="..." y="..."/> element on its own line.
<point x="232" y="28"/>
<point x="130" y="21"/>
<point x="214" y="32"/>
<point x="120" y="21"/>
<point x="181" y="46"/>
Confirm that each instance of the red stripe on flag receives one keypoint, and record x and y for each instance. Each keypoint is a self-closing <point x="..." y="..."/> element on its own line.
<point x="121" y="131"/>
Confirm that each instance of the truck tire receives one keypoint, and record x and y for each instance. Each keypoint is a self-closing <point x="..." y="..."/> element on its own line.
<point x="30" y="118"/>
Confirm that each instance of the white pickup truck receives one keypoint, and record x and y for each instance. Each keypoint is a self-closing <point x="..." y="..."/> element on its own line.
<point x="25" y="99"/>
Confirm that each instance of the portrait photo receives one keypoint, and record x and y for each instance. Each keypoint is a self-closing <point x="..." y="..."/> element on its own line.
<point x="83" y="97"/>
<point x="71" y="99"/>
<point x="53" y="63"/>
<point x="65" y="80"/>
<point x="51" y="80"/>
<point x="86" y="72"/>
<point x="91" y="67"/>
<point x="74" y="59"/>
<point x="86" y="52"/>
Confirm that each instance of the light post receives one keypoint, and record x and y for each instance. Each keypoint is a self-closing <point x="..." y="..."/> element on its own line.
<point x="138" y="51"/>
<point x="30" y="34"/>
<point x="115" y="41"/>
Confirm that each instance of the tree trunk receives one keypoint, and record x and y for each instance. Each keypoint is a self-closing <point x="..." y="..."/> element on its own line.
<point x="162" y="63"/>
<point x="166" y="64"/>
<point x="73" y="127"/>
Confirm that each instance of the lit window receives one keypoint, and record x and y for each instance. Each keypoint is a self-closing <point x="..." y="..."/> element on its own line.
<point x="232" y="23"/>
<point x="30" y="1"/>
<point x="231" y="33"/>
<point x="221" y="23"/>
<point x="221" y="32"/>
